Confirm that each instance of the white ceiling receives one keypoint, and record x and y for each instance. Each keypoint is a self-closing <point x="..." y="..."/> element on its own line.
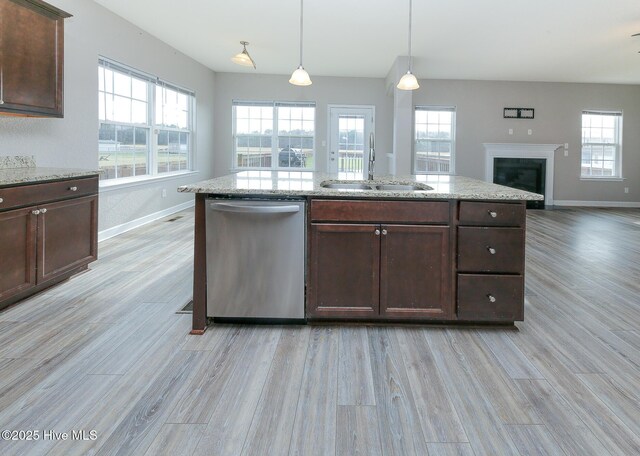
<point x="517" y="40"/>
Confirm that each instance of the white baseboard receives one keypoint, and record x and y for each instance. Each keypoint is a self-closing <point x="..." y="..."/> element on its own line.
<point x="123" y="228"/>
<point x="596" y="203"/>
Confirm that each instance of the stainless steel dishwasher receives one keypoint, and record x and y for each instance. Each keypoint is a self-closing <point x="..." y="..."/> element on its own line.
<point x="255" y="259"/>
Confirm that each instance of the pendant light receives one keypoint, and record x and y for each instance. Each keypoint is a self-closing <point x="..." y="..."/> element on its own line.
<point x="408" y="81"/>
<point x="243" y="58"/>
<point x="300" y="77"/>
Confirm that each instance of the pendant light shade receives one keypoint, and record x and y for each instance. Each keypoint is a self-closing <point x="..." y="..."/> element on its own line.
<point x="300" y="77"/>
<point x="409" y="81"/>
<point x="243" y="58"/>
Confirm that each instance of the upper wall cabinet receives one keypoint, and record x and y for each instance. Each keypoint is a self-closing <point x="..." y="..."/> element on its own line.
<point x="31" y="58"/>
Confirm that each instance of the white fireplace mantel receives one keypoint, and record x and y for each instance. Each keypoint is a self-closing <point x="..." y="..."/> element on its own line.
<point x="523" y="150"/>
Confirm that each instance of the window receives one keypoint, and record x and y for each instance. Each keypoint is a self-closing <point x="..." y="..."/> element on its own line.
<point x="601" y="144"/>
<point x="145" y="124"/>
<point x="273" y="135"/>
<point x="434" y="140"/>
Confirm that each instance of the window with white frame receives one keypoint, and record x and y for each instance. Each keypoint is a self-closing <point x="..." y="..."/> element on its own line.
<point x="145" y="124"/>
<point x="601" y="144"/>
<point x="274" y="135"/>
<point x="434" y="135"/>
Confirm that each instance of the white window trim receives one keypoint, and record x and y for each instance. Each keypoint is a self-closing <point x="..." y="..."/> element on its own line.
<point x="618" y="159"/>
<point x="153" y="127"/>
<point x="452" y="163"/>
<point x="274" y="138"/>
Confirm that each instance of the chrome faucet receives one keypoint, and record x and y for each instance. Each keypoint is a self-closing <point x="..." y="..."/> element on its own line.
<point x="372" y="155"/>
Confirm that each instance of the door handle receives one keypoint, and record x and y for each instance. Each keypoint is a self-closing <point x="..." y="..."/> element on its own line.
<point x="229" y="207"/>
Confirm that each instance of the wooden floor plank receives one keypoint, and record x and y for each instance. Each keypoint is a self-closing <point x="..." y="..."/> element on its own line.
<point x="440" y="421"/>
<point x="398" y="419"/>
<point x="270" y="431"/>
<point x="508" y="355"/>
<point x="357" y="431"/>
<point x="176" y="440"/>
<point x="314" y="429"/>
<point x="236" y="404"/>
<point x="573" y="436"/>
<point x="483" y="427"/>
<point x="355" y="383"/>
<point x="450" y="449"/>
<point x="534" y="440"/>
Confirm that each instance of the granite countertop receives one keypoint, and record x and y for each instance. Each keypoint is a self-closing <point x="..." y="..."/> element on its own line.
<point x="305" y="183"/>
<point x="17" y="176"/>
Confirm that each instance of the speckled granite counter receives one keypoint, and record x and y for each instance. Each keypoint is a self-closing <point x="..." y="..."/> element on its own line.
<point x="310" y="184"/>
<point x="28" y="175"/>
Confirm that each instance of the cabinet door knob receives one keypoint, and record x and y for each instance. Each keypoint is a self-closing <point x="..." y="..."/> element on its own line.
<point x="73" y="189"/>
<point x="491" y="298"/>
<point x="35" y="212"/>
<point x="493" y="214"/>
<point x="384" y="232"/>
<point x="43" y="210"/>
<point x="491" y="250"/>
<point x="377" y="232"/>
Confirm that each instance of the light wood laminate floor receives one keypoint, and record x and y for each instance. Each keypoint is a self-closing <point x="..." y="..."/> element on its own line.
<point x="106" y="352"/>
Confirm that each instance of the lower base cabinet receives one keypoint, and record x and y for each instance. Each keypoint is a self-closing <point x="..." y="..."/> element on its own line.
<point x="49" y="241"/>
<point x="374" y="271"/>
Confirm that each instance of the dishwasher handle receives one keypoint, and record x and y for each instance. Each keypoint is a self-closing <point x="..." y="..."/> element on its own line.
<point x="260" y="209"/>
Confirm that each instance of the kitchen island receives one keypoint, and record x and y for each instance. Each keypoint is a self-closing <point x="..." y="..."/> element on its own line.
<point x="428" y="248"/>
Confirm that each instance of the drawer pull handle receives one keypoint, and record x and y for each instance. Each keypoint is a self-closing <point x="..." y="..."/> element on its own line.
<point x="377" y="232"/>
<point x="491" y="250"/>
<point x="493" y="214"/>
<point x="384" y="232"/>
<point x="43" y="210"/>
<point x="491" y="298"/>
<point x="35" y="212"/>
<point x="73" y="189"/>
<point x="1" y="200"/>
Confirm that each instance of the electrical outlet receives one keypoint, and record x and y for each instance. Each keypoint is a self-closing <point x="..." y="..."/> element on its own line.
<point x="530" y="132"/>
<point x="164" y="192"/>
<point x="510" y="131"/>
<point x="626" y="189"/>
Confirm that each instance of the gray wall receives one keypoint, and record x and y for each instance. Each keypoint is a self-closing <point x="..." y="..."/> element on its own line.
<point x="324" y="91"/>
<point x="73" y="141"/>
<point x="558" y="108"/>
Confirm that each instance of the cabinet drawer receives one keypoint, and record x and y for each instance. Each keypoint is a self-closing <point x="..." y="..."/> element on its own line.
<point x="492" y="214"/>
<point x="491" y="250"/>
<point x="436" y="212"/>
<point x="34" y="194"/>
<point x="490" y="297"/>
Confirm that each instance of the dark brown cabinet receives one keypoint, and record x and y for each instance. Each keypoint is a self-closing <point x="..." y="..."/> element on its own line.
<point x="31" y="58"/>
<point x="52" y="238"/>
<point x="392" y="269"/>
<point x="491" y="247"/>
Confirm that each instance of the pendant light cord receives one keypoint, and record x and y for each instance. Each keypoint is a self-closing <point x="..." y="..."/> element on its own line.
<point x="301" y="11"/>
<point x="410" y="9"/>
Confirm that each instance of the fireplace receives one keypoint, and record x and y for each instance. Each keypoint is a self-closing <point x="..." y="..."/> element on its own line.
<point x="532" y="154"/>
<point x="522" y="173"/>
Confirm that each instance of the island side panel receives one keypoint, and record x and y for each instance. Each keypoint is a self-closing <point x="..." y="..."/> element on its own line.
<point x="199" y="324"/>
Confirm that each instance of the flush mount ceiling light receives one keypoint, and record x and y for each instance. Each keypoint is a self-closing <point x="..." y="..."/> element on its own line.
<point x="243" y="58"/>
<point x="409" y="81"/>
<point x="300" y="77"/>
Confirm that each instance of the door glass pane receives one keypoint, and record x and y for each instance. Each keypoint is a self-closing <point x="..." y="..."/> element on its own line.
<point x="350" y="143"/>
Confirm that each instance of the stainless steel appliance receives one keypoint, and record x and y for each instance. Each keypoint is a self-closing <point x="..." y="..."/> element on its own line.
<point x="255" y="259"/>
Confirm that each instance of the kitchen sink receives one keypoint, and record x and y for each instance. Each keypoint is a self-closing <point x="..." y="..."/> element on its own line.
<point x="402" y="187"/>
<point x="346" y="185"/>
<point x="390" y="187"/>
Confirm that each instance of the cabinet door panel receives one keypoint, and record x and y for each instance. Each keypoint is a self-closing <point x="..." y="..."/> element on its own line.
<point x="343" y="271"/>
<point x="66" y="236"/>
<point x="17" y="252"/>
<point x="415" y="272"/>
<point x="33" y="47"/>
